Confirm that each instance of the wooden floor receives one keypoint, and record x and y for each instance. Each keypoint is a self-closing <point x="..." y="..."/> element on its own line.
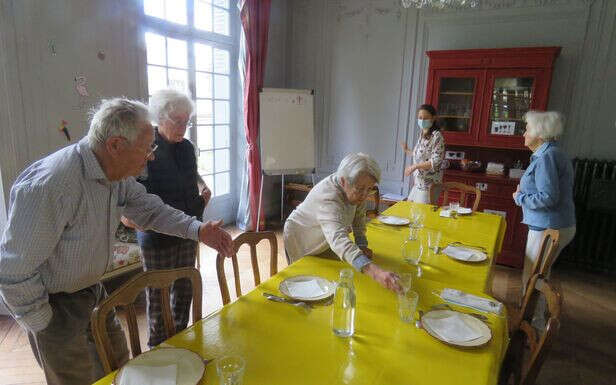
<point x="585" y="352"/>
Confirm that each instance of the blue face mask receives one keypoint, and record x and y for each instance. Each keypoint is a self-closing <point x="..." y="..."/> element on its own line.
<point x="424" y="124"/>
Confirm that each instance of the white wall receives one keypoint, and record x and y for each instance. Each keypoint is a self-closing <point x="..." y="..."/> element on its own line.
<point x="366" y="60"/>
<point x="37" y="86"/>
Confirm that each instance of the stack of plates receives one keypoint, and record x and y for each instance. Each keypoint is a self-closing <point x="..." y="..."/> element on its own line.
<point x="307" y="288"/>
<point x="391" y="220"/>
<point x="465" y="254"/>
<point x="456" y="328"/>
<point x="163" y="365"/>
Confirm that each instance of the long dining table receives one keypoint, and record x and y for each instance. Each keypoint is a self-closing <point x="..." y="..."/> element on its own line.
<point x="285" y="344"/>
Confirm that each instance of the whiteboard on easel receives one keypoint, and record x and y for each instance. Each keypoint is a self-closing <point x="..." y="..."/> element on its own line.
<point x="286" y="131"/>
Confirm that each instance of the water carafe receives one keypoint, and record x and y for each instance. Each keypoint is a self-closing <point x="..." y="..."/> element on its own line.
<point x="343" y="316"/>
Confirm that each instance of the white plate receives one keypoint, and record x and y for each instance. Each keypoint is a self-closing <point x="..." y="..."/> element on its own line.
<point x="470" y="321"/>
<point x="327" y="287"/>
<point x="391" y="220"/>
<point x="478" y="255"/>
<point x="190" y="366"/>
<point x="464" y="211"/>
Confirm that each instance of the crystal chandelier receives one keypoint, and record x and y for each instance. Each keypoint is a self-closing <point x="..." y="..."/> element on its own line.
<point x="440" y="4"/>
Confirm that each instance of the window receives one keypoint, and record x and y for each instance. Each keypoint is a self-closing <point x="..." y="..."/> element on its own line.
<point x="190" y="45"/>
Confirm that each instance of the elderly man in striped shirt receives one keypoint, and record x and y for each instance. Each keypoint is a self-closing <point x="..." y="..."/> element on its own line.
<point x="63" y="212"/>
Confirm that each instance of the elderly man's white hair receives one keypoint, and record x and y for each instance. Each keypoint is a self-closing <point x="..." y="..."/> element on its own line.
<point x="116" y="117"/>
<point x="546" y="125"/>
<point x="165" y="101"/>
<point x="353" y="165"/>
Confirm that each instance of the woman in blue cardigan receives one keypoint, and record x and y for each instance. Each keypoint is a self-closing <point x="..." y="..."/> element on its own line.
<point x="545" y="192"/>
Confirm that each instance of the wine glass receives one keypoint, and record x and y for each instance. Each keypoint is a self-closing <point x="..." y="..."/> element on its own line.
<point x="417" y="217"/>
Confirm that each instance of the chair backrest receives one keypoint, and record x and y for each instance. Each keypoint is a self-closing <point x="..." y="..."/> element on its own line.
<point x="126" y="295"/>
<point x="464" y="190"/>
<point x="524" y="334"/>
<point x="252" y="239"/>
<point x="546" y="253"/>
<point x="375" y="195"/>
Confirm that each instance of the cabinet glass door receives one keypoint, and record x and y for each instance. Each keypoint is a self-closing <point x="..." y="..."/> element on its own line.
<point x="508" y="96"/>
<point x="511" y="99"/>
<point x="457" y="96"/>
<point x="455" y="103"/>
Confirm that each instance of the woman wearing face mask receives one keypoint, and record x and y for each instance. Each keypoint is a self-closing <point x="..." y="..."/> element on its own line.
<point x="427" y="157"/>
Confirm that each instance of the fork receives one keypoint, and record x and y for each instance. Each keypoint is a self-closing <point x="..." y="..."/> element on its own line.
<point x="276" y="298"/>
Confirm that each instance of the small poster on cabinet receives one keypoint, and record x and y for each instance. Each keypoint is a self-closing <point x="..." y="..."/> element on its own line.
<point x="502" y="128"/>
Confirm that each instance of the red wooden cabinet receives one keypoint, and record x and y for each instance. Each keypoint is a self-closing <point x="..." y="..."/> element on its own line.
<point x="481" y="96"/>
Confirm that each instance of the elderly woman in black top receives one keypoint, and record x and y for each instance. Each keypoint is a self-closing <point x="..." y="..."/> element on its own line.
<point x="173" y="176"/>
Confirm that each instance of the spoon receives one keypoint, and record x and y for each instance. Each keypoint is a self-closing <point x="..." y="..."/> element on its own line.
<point x="418" y="324"/>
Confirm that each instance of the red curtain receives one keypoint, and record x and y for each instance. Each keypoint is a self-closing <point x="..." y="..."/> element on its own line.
<point x="255" y="22"/>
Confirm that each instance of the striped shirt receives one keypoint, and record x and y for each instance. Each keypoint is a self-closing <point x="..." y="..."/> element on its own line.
<point x="63" y="213"/>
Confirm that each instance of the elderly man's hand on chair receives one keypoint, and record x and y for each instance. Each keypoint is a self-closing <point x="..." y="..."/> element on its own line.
<point x="215" y="237"/>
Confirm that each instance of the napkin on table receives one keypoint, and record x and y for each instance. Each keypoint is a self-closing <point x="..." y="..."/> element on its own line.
<point x="459" y="252"/>
<point x="445" y="213"/>
<point x="469" y="300"/>
<point x="305" y="289"/>
<point x="152" y="375"/>
<point x="453" y="328"/>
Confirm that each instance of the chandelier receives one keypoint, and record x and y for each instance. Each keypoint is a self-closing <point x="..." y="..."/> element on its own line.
<point x="440" y="4"/>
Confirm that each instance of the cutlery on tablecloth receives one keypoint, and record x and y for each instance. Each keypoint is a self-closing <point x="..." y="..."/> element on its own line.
<point x="276" y="298"/>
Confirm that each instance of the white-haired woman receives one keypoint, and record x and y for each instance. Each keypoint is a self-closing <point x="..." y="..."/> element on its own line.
<point x="332" y="208"/>
<point x="545" y="192"/>
<point x="173" y="176"/>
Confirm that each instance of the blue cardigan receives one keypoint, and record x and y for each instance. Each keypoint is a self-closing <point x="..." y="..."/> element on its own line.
<point x="546" y="189"/>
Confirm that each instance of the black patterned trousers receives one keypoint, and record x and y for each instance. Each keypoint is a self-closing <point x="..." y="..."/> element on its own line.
<point x="180" y="254"/>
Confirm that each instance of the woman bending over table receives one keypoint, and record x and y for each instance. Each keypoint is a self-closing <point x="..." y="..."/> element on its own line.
<point x="333" y="208"/>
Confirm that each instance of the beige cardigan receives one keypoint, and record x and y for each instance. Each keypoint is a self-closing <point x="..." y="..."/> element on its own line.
<point x="324" y="220"/>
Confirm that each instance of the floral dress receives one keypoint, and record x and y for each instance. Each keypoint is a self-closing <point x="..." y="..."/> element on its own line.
<point x="430" y="149"/>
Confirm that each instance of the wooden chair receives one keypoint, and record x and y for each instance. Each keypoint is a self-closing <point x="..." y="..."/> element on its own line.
<point x="545" y="258"/>
<point x="525" y="337"/>
<point x="125" y="296"/>
<point x="547" y="252"/>
<point x="252" y="239"/>
<point x="464" y="190"/>
<point x="375" y="196"/>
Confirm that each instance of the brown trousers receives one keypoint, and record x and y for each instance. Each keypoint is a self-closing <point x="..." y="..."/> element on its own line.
<point x="65" y="349"/>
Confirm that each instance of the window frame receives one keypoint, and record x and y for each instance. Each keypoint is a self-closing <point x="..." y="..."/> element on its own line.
<point x="191" y="35"/>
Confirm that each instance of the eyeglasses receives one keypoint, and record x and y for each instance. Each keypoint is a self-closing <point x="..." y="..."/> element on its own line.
<point x="151" y="151"/>
<point x="181" y="123"/>
<point x="362" y="191"/>
<point x="148" y="152"/>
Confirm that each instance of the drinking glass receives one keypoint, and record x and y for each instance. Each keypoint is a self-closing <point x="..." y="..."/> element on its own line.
<point x="416" y="220"/>
<point x="230" y="370"/>
<point x="407" y="304"/>
<point x="433" y="239"/>
<point x="412" y="250"/>
<point x="406" y="281"/>
<point x="454" y="206"/>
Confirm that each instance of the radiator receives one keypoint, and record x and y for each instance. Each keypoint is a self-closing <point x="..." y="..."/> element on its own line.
<point x="594" y="246"/>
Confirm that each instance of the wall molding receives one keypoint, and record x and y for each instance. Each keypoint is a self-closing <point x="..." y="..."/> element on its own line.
<point x="12" y="143"/>
<point x="509" y="4"/>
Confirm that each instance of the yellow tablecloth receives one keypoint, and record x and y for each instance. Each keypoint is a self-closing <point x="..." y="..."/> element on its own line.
<point x="283" y="344"/>
<point x="478" y="229"/>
